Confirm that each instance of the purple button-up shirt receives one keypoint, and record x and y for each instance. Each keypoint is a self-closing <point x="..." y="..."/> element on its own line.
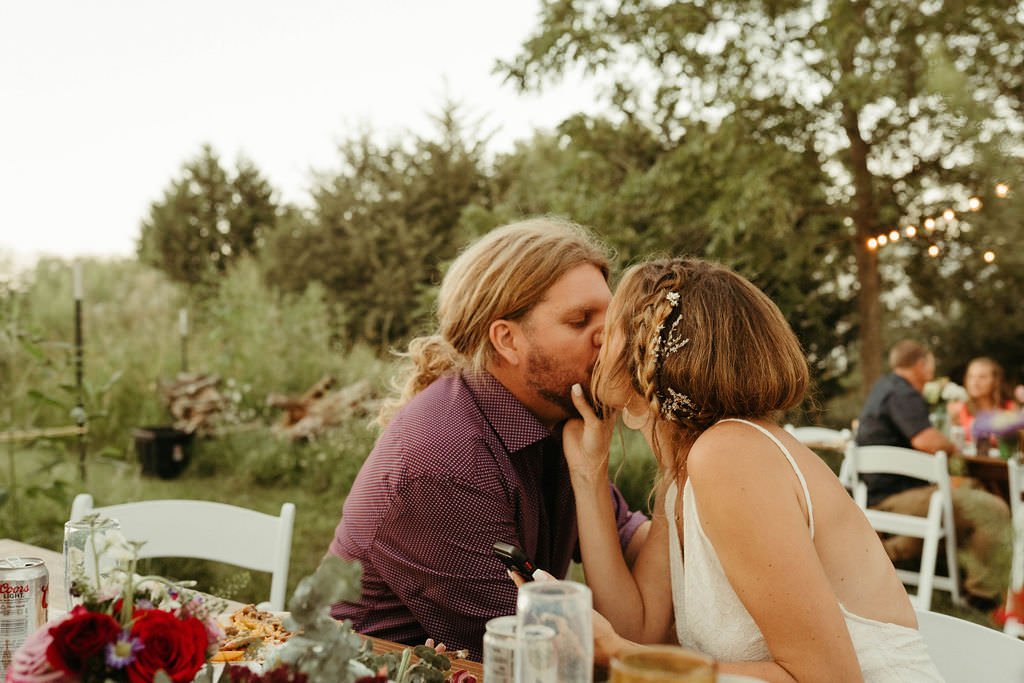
<point x="462" y="465"/>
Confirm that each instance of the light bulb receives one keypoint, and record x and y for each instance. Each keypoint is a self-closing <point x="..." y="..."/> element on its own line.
<point x="872" y="243"/>
<point x="933" y="251"/>
<point x="894" y="236"/>
<point x="974" y="203"/>
<point x="989" y="256"/>
<point x="929" y="223"/>
<point x="911" y="231"/>
<point x="882" y="240"/>
<point x="949" y="214"/>
<point x="1002" y="189"/>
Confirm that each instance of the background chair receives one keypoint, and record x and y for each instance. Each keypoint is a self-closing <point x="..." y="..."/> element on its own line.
<point x="823" y="438"/>
<point x="1015" y="475"/>
<point x="208" y="531"/>
<point x="935" y="526"/>
<point x="967" y="652"/>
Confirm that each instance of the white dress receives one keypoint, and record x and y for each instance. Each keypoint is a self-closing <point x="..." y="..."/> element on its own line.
<point x="710" y="617"/>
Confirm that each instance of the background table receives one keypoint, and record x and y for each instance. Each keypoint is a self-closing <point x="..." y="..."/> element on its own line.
<point x="991" y="472"/>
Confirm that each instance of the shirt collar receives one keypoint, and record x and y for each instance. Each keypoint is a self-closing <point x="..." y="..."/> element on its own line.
<point x="512" y="421"/>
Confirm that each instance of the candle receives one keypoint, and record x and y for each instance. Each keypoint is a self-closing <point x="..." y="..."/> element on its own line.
<point x="76" y="279"/>
<point x="183" y="322"/>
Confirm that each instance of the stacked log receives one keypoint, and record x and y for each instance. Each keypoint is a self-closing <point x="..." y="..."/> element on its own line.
<point x="194" y="401"/>
<point x="319" y="408"/>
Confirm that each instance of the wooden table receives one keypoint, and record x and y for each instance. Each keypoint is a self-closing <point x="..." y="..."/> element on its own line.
<point x="991" y="472"/>
<point x="58" y="598"/>
<point x="384" y="646"/>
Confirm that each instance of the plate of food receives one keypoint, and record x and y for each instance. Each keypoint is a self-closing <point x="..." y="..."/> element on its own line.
<point x="250" y="635"/>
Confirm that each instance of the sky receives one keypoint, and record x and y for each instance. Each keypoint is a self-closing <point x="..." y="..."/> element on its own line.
<point x="103" y="101"/>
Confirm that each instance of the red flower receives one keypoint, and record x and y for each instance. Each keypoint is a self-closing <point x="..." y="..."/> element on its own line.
<point x="177" y="646"/>
<point x="79" y="638"/>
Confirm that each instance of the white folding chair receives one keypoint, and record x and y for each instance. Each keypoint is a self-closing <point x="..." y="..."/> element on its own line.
<point x="935" y="526"/>
<point x="1015" y="475"/>
<point x="208" y="531"/>
<point x="963" y="651"/>
<point x="827" y="439"/>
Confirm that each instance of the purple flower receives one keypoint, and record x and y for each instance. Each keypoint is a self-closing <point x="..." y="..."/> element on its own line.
<point x="121" y="652"/>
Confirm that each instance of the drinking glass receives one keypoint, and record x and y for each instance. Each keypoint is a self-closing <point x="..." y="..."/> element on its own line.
<point x="82" y="539"/>
<point x="662" y="664"/>
<point x="565" y="608"/>
<point x="500" y="649"/>
<point x="513" y="656"/>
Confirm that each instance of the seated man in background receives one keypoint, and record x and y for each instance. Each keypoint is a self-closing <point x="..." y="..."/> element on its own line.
<point x="471" y="452"/>
<point x="896" y="414"/>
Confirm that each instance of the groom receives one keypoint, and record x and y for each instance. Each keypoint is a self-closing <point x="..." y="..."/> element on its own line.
<point x="471" y="453"/>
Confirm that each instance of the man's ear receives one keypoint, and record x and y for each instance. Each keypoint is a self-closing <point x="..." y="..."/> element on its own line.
<point x="505" y="338"/>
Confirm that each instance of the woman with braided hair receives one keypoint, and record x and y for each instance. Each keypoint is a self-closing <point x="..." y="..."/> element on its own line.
<point x="784" y="577"/>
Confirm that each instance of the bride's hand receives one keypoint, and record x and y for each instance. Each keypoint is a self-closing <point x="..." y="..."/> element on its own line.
<point x="586" y="440"/>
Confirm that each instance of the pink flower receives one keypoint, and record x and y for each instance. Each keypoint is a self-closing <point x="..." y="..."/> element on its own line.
<point x="29" y="664"/>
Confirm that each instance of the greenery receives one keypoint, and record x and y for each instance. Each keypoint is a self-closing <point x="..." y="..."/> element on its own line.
<point x="824" y="124"/>
<point x="775" y="137"/>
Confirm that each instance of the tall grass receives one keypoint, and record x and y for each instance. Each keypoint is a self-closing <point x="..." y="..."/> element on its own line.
<point x="256" y="340"/>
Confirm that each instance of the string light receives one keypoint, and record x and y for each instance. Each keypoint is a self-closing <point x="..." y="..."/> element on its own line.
<point x="974" y="203"/>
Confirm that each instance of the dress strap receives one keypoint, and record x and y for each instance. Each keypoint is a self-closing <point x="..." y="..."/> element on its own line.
<point x="792" y="462"/>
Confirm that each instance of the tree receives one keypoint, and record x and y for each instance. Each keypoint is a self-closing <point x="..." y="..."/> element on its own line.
<point x="880" y="99"/>
<point x="207" y="218"/>
<point x="382" y="227"/>
<point x="645" y="195"/>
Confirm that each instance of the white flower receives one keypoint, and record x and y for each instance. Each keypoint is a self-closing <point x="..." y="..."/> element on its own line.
<point x="954" y="392"/>
<point x="113" y="545"/>
<point x="933" y="390"/>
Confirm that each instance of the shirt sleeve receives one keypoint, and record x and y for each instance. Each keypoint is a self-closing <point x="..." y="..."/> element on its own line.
<point x="433" y="550"/>
<point x="909" y="413"/>
<point x="626" y="520"/>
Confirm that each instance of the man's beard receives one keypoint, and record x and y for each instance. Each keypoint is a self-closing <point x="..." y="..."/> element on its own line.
<point x="553" y="382"/>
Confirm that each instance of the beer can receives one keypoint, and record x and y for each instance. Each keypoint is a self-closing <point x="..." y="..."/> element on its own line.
<point x="24" y="598"/>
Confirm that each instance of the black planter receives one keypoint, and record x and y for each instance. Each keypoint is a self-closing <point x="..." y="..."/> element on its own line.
<point x="163" y="451"/>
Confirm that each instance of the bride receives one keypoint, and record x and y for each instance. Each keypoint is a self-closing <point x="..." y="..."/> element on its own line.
<point x="757" y="556"/>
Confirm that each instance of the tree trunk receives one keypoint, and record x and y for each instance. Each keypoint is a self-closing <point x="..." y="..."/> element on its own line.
<point x="865" y="219"/>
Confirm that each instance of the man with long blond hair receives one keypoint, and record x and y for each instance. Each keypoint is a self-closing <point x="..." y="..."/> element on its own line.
<point x="471" y="450"/>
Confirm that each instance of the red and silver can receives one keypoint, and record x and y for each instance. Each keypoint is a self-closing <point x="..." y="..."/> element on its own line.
<point x="24" y="598"/>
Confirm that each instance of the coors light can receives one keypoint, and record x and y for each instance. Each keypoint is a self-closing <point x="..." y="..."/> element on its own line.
<point x="24" y="595"/>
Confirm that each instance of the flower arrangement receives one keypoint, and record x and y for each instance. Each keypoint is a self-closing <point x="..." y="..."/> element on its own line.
<point x="942" y="389"/>
<point x="127" y="628"/>
<point x="131" y="629"/>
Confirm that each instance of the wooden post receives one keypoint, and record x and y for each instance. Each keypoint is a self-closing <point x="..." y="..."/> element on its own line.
<point x="78" y="413"/>
<point x="183" y="333"/>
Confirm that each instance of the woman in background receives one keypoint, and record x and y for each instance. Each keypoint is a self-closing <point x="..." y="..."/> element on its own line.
<point x="986" y="390"/>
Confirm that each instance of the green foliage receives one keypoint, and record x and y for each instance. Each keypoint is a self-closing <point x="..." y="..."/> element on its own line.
<point x="839" y="109"/>
<point x="207" y="219"/>
<point x="753" y="207"/>
<point x="382" y="227"/>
